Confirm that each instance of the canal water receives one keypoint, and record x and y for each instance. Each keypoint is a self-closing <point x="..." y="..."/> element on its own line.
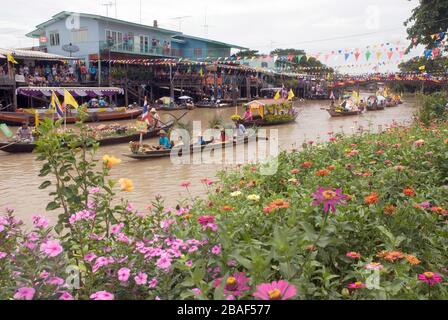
<point x="19" y="179"/>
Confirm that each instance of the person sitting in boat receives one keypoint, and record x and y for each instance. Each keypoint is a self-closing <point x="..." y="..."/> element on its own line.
<point x="240" y="129"/>
<point x="248" y="115"/>
<point x="201" y="140"/>
<point x="24" y="134"/>
<point x="164" y="142"/>
<point x="102" y="103"/>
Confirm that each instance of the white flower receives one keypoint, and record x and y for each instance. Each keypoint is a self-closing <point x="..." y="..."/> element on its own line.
<point x="235" y="194"/>
<point x="253" y="197"/>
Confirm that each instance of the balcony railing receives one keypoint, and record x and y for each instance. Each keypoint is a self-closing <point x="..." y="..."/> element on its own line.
<point x="142" y="49"/>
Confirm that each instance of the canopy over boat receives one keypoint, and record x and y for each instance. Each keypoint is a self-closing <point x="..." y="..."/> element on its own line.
<point x="75" y="91"/>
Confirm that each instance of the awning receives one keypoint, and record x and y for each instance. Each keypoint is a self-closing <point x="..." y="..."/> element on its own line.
<point x="76" y="92"/>
<point x="34" y="55"/>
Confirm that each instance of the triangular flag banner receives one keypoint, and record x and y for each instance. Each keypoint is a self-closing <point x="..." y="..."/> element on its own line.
<point x="390" y="54"/>
<point x="291" y="95"/>
<point x="422" y="68"/>
<point x="299" y="58"/>
<point x="357" y="54"/>
<point x="368" y="55"/>
<point x="347" y="55"/>
<point x="277" y="95"/>
<point x="11" y="59"/>
<point x="69" y="100"/>
<point x="378" y="55"/>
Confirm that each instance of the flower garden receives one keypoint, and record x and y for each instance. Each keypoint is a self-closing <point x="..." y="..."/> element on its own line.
<point x="361" y="217"/>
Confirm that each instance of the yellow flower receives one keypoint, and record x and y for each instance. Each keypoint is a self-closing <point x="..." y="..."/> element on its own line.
<point x="126" y="185"/>
<point x="235" y="194"/>
<point x="110" y="161"/>
<point x="253" y="197"/>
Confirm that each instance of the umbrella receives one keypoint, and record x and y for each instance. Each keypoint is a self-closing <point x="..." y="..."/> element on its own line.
<point x="381" y="98"/>
<point x="185" y="98"/>
<point x="165" y="100"/>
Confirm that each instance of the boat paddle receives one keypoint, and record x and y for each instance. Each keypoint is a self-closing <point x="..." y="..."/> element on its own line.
<point x="8" y="145"/>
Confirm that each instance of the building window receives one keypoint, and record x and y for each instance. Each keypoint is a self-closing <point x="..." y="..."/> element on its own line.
<point x="264" y="64"/>
<point x="54" y="39"/>
<point x="80" y="35"/>
<point x="144" y="44"/>
<point x="198" y="52"/>
<point x="114" y="39"/>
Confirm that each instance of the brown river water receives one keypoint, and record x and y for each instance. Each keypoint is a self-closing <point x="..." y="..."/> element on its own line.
<point x="19" y="179"/>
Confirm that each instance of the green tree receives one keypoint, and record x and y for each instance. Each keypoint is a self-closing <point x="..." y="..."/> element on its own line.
<point x="247" y="54"/>
<point x="429" y="18"/>
<point x="432" y="66"/>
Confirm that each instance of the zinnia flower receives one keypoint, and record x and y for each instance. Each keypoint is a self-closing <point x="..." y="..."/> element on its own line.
<point x="253" y="197"/>
<point x="353" y="255"/>
<point x="185" y="184"/>
<point x="430" y="278"/>
<point x="279" y="204"/>
<point x="390" y="209"/>
<point x="109" y="161"/>
<point x="277" y="290"/>
<point x="356" y="285"/>
<point x="25" y="293"/>
<point x="329" y="198"/>
<point x="307" y="164"/>
<point x="412" y="259"/>
<point x="126" y="185"/>
<point x="409" y="192"/>
<point x="235" y="194"/>
<point x="391" y="256"/>
<point x="372" y="198"/>
<point x="374" y="266"/>
<point x="235" y="285"/>
<point x="322" y="173"/>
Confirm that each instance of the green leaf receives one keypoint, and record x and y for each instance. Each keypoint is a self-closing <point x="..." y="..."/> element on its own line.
<point x="45" y="185"/>
<point x="53" y="206"/>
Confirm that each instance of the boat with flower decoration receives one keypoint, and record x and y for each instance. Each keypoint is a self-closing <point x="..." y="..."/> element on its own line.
<point x="268" y="112"/>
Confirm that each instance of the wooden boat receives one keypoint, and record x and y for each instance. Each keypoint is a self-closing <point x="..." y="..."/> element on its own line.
<point x="18" y="118"/>
<point x="211" y="105"/>
<point x="20" y="147"/>
<point x="264" y="123"/>
<point x="334" y="113"/>
<point x="193" y="148"/>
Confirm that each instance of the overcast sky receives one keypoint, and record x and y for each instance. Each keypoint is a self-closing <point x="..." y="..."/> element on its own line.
<point x="312" y="25"/>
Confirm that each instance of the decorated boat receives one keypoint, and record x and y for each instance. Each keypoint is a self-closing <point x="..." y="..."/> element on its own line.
<point x="138" y="154"/>
<point x="104" y="135"/>
<point x="340" y="113"/>
<point x="268" y="112"/>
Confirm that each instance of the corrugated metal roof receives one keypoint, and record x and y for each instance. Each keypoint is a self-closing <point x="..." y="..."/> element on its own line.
<point x="31" y="54"/>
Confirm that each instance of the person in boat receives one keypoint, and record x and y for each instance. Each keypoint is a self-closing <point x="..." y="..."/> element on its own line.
<point x="248" y="116"/>
<point x="201" y="140"/>
<point x="240" y="129"/>
<point x="24" y="134"/>
<point x="102" y="103"/>
<point x="155" y="117"/>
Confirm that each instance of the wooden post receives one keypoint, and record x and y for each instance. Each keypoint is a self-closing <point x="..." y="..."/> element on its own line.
<point x="215" y="85"/>
<point x="248" y="93"/>
<point x="126" y="95"/>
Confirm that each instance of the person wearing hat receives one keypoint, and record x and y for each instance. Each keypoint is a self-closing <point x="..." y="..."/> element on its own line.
<point x="164" y="142"/>
<point x="155" y="117"/>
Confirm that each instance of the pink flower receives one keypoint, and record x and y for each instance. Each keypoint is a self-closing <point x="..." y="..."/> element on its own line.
<point x="205" y="220"/>
<point x="235" y="285"/>
<point x="90" y="257"/>
<point x="356" y="285"/>
<point x="216" y="250"/>
<point x="277" y="290"/>
<point x="40" y="222"/>
<point x="196" y="291"/>
<point x="189" y="263"/>
<point x="51" y="248"/>
<point x="116" y="228"/>
<point x="164" y="262"/>
<point x="102" y="295"/>
<point x="141" y="278"/>
<point x="94" y="190"/>
<point x="430" y="278"/>
<point x="66" y="296"/>
<point x="374" y="266"/>
<point x="185" y="184"/>
<point x="353" y="255"/>
<point x="153" y="283"/>
<point x="328" y="198"/>
<point x="25" y="293"/>
<point x="3" y="254"/>
<point x="123" y="274"/>
<point x="56" y="281"/>
<point x="419" y="143"/>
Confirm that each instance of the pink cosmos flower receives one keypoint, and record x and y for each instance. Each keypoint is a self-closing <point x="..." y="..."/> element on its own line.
<point x="153" y="283"/>
<point x="123" y="274"/>
<point x="236" y="285"/>
<point x="141" y="279"/>
<point x="430" y="278"/>
<point x="216" y="250"/>
<point x="3" y="255"/>
<point x="25" y="293"/>
<point x="40" y="222"/>
<point x="52" y="248"/>
<point x="328" y="198"/>
<point x="211" y="226"/>
<point x="356" y="285"/>
<point x="102" y="295"/>
<point x="277" y="290"/>
<point x="65" y="296"/>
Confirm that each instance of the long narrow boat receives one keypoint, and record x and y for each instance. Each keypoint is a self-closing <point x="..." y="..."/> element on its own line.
<point x="20" y="147"/>
<point x="211" y="105"/>
<point x="334" y="113"/>
<point x="18" y="118"/>
<point x="193" y="148"/>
